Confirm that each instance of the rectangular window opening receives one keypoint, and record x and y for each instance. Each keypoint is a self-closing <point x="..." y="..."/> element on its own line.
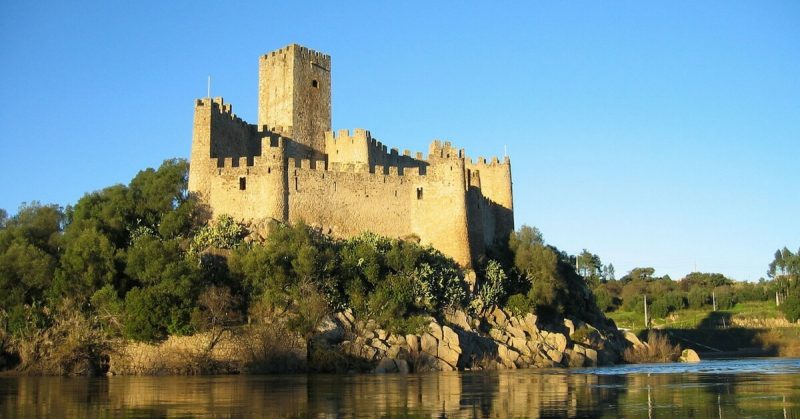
<point x="419" y="193"/>
<point x="242" y="183"/>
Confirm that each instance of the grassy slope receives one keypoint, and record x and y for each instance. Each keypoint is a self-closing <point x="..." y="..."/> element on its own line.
<point x="704" y="329"/>
<point x="704" y="318"/>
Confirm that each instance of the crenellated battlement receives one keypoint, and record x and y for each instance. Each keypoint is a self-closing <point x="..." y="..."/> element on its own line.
<point x="444" y="150"/>
<point x="315" y="57"/>
<point x="343" y="135"/>
<point x="308" y="164"/>
<point x="218" y="107"/>
<point x="483" y="162"/>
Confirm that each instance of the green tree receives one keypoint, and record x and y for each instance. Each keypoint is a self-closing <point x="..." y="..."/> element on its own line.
<point x="604" y="299"/>
<point x="548" y="277"/>
<point x="791" y="307"/>
<point x="639" y="274"/>
<point x="608" y="273"/>
<point x="590" y="267"/>
<point x="145" y="312"/>
<point x="725" y="297"/>
<point x="156" y="193"/>
<point x="698" y="298"/>
<point x="704" y="280"/>
<point x="87" y="265"/>
<point x="109" y="211"/>
<point x="109" y="309"/>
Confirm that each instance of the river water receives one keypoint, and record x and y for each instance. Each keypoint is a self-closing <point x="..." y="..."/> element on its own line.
<point x="768" y="388"/>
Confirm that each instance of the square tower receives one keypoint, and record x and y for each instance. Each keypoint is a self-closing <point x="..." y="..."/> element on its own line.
<point x="294" y="90"/>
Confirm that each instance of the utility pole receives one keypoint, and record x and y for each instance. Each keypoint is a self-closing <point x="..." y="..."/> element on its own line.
<point x="646" y="323"/>
<point x="714" y="299"/>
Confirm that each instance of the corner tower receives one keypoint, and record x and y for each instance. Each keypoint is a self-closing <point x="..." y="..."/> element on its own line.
<point x="294" y="95"/>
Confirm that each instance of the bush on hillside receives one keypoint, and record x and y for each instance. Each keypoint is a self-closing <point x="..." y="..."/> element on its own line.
<point x="791" y="307"/>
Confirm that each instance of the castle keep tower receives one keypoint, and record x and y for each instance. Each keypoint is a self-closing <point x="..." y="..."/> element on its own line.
<point x="291" y="167"/>
<point x="294" y="93"/>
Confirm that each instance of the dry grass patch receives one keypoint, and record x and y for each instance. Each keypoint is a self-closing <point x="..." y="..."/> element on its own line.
<point x="658" y="348"/>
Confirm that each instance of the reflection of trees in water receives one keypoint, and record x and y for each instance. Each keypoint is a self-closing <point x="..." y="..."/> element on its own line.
<point x="478" y="394"/>
<point x="712" y="395"/>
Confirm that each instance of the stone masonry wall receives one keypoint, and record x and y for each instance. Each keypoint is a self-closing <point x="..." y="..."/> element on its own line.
<point x="291" y="167"/>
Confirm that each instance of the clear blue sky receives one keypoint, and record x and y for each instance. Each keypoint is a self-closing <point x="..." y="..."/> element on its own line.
<point x="663" y="134"/>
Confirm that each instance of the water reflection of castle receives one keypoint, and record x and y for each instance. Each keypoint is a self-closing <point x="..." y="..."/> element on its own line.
<point x="480" y="394"/>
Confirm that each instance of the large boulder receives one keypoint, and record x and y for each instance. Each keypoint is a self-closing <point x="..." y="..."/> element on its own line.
<point x="591" y="357"/>
<point x="413" y="343"/>
<point x="429" y="344"/>
<point x="498" y="335"/>
<point x="448" y="354"/>
<point x="574" y="359"/>
<point x="450" y="336"/>
<point x="394" y="351"/>
<point x="557" y="341"/>
<point x="499" y="317"/>
<point x="521" y="345"/>
<point x="344" y="320"/>
<point x="530" y="323"/>
<point x="555" y="355"/>
<point x="689" y="355"/>
<point x="436" y="330"/>
<point x="458" y="318"/>
<point x="632" y="339"/>
<point x="570" y="326"/>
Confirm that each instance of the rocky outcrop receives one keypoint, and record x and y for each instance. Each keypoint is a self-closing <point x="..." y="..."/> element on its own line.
<point x="495" y="340"/>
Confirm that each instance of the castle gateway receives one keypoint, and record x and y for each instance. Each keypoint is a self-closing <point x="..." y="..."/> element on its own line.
<point x="292" y="167"/>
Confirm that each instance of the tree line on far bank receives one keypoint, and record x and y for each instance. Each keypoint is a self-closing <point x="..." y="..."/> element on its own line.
<point x="701" y="291"/>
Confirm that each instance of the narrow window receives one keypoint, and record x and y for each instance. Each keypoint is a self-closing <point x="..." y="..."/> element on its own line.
<point x="419" y="193"/>
<point x="314" y="83"/>
<point x="242" y="183"/>
<point x="269" y="170"/>
<point x="296" y="185"/>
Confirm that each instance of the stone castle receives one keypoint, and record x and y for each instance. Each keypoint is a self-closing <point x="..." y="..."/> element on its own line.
<point x="291" y="167"/>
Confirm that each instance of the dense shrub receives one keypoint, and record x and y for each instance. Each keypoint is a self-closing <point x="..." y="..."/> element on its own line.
<point x="519" y="304"/>
<point x="605" y="301"/>
<point x="665" y="304"/>
<point x="791" y="308"/>
<point x="493" y="288"/>
<point x="657" y="349"/>
<point x="725" y="298"/>
<point x="698" y="298"/>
